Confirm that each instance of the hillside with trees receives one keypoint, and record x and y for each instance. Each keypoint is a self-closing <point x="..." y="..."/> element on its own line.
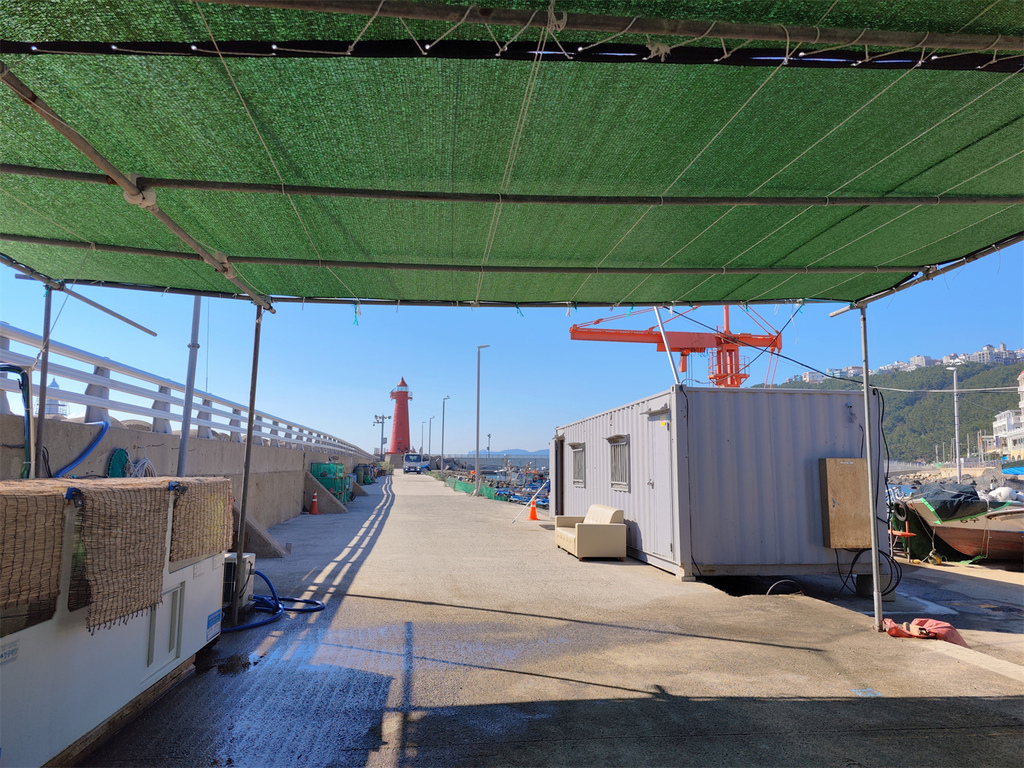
<point x="916" y="421"/>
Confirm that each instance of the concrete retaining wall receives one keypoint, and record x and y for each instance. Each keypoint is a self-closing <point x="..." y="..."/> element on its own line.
<point x="277" y="478"/>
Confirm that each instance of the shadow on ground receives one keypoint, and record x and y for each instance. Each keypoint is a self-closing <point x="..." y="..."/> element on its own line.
<point x="864" y="729"/>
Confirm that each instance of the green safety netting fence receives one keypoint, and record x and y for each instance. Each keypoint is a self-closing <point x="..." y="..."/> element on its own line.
<point x="462" y="486"/>
<point x="474" y="124"/>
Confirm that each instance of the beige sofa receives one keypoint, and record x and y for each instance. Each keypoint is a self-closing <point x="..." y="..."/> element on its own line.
<point x="600" y="534"/>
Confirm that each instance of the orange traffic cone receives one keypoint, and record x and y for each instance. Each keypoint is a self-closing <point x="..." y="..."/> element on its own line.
<point x="314" y="508"/>
<point x="533" y="510"/>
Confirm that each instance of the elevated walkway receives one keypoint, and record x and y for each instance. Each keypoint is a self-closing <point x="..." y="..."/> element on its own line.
<point x="452" y="637"/>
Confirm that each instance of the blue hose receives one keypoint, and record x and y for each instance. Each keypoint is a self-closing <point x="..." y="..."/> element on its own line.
<point x="87" y="451"/>
<point x="272" y="604"/>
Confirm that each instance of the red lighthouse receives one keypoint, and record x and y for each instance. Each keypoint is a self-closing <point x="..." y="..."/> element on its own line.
<point x="400" y="424"/>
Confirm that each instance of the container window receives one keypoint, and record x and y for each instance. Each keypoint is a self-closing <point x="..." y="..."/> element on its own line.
<point x="579" y="464"/>
<point x="620" y="462"/>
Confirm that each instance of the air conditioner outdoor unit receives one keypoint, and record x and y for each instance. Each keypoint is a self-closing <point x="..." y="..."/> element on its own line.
<point x="249" y="561"/>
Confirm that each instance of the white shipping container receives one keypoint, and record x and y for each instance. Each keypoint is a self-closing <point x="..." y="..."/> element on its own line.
<point x="718" y="481"/>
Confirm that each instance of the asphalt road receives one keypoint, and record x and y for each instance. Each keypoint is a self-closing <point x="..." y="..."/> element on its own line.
<point x="453" y="637"/>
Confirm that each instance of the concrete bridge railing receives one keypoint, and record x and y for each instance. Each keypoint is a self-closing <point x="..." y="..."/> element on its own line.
<point x="162" y="400"/>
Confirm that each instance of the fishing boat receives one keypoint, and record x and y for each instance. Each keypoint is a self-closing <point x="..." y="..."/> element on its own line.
<point x="975" y="524"/>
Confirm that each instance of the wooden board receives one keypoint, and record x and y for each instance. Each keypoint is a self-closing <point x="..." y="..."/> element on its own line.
<point x="845" y="514"/>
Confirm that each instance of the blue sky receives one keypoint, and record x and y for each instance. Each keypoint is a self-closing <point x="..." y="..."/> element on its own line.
<point x="320" y="369"/>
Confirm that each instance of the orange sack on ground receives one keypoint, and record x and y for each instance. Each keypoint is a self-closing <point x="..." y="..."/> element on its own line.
<point x="927" y="629"/>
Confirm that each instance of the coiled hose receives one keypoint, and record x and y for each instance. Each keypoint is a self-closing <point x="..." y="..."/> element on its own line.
<point x="272" y="604"/>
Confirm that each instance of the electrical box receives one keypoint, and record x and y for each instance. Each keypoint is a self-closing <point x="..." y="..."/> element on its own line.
<point x="845" y="513"/>
<point x="249" y="561"/>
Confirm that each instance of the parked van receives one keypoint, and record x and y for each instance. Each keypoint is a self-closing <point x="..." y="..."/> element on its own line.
<point x="414" y="462"/>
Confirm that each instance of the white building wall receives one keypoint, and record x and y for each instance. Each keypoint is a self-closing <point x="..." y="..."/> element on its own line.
<point x="739" y="492"/>
<point x="59" y="681"/>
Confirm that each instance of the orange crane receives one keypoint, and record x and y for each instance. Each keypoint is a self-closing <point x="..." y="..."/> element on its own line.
<point x="725" y="368"/>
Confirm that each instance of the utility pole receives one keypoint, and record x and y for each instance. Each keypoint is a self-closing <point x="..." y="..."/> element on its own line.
<point x="442" y="431"/>
<point x="488" y="446"/>
<point x="380" y="419"/>
<point x="476" y="466"/>
<point x="956" y="423"/>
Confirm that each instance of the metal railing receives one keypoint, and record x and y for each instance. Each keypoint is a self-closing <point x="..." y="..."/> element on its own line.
<point x="209" y="411"/>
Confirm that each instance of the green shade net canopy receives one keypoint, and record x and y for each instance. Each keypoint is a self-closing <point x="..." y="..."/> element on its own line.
<point x="529" y="130"/>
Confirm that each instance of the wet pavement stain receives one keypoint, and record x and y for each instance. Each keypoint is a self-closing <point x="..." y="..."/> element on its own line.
<point x="225" y="665"/>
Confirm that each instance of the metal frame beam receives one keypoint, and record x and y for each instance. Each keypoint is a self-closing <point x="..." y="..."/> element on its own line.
<point x="134" y="193"/>
<point x="455" y="14"/>
<point x="492" y="198"/>
<point x="474" y="268"/>
<point x="27" y="273"/>
<point x="933" y="272"/>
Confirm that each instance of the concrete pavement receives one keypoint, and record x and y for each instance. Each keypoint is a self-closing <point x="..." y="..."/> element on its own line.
<point x="452" y="637"/>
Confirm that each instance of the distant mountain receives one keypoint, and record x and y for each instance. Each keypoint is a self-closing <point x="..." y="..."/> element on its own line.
<point x="916" y="421"/>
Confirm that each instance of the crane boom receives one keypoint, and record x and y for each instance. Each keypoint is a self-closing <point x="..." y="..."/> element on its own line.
<point x="726" y="369"/>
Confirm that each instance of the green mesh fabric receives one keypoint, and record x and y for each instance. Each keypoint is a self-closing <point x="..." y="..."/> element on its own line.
<point x="447" y="125"/>
<point x="174" y="20"/>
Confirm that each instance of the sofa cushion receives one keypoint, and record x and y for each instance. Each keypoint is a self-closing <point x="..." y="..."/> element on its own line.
<point x="603" y="514"/>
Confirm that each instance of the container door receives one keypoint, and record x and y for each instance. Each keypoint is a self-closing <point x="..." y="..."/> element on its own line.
<point x="557" y="476"/>
<point x="659" y="483"/>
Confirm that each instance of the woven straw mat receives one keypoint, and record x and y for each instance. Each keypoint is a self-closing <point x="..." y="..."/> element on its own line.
<point x="124" y="533"/>
<point x="31" y="544"/>
<point x="202" y="518"/>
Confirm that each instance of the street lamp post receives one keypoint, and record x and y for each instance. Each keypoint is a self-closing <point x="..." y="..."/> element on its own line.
<point x="430" y="436"/>
<point x="476" y="472"/>
<point x="956" y="422"/>
<point x="488" y="446"/>
<point x="381" y="419"/>
<point x="442" y="433"/>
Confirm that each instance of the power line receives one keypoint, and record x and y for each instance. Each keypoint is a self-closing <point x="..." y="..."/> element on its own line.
<point x="960" y="390"/>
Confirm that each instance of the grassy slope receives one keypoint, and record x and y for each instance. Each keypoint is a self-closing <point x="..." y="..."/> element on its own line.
<point x="915" y="422"/>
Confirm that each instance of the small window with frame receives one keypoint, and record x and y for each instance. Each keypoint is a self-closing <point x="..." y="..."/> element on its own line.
<point x="579" y="464"/>
<point x="619" y="449"/>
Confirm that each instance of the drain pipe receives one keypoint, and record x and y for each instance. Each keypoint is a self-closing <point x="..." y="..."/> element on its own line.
<point x="44" y="368"/>
<point x="240" y="575"/>
<point x="868" y="447"/>
<point x="190" y="388"/>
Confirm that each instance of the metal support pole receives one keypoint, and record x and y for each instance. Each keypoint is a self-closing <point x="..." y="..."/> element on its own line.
<point x="443" y="402"/>
<point x="956" y="425"/>
<point x="381" y="419"/>
<point x="869" y="448"/>
<point x="44" y="367"/>
<point x="240" y="575"/>
<point x="190" y="388"/>
<point x="664" y="340"/>
<point x="430" y="435"/>
<point x="476" y="469"/>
